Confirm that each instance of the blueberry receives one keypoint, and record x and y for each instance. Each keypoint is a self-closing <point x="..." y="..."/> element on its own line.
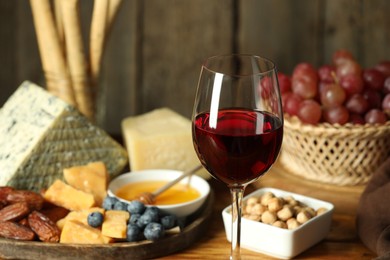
<point x="136" y="207"/>
<point x="109" y="202"/>
<point x="134" y="218"/>
<point x="154" y="211"/>
<point x="169" y="221"/>
<point x="120" y="205"/>
<point x="146" y="219"/>
<point x="95" y="219"/>
<point x="154" y="231"/>
<point x="134" y="233"/>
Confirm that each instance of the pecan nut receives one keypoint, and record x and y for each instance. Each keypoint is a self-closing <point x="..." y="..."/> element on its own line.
<point x="46" y="229"/>
<point x="14" y="212"/>
<point x="34" y="200"/>
<point x="12" y="230"/>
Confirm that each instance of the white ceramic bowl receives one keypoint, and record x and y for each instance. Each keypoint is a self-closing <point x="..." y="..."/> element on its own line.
<point x="180" y="210"/>
<point x="278" y="242"/>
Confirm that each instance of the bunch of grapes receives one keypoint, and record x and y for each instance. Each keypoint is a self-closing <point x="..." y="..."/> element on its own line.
<point x="339" y="93"/>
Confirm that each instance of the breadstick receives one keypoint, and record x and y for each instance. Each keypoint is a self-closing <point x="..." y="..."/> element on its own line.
<point x="53" y="62"/>
<point x="76" y="57"/>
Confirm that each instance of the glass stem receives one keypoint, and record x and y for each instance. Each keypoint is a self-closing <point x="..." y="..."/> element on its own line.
<point x="237" y="195"/>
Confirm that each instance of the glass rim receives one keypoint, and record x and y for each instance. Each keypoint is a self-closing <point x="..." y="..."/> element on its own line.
<point x="271" y="68"/>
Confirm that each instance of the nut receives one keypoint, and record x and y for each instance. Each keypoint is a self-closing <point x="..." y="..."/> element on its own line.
<point x="285" y="213"/>
<point x="14" y="230"/>
<point x="321" y="211"/>
<point x="34" y="200"/>
<point x="280" y="224"/>
<point x="304" y="216"/>
<point x="268" y="217"/>
<point x="14" y="212"/>
<point x="46" y="229"/>
<point x="266" y="197"/>
<point x="252" y="217"/>
<point x="275" y="204"/>
<point x="292" y="223"/>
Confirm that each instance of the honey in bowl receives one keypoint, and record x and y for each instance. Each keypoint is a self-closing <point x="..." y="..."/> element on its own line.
<point x="179" y="193"/>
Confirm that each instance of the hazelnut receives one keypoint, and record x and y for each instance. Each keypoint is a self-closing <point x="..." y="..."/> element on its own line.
<point x="266" y="197"/>
<point x="312" y="212"/>
<point x="321" y="211"/>
<point x="252" y="201"/>
<point x="275" y="204"/>
<point x="268" y="217"/>
<point x="280" y="224"/>
<point x="304" y="216"/>
<point x="285" y="213"/>
<point x="292" y="223"/>
<point x="258" y="209"/>
<point x="252" y="217"/>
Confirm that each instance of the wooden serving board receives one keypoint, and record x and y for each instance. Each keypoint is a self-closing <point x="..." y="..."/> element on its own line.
<point x="197" y="224"/>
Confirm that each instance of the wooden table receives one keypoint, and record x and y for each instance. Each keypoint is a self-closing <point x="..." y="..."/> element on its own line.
<point x="341" y="243"/>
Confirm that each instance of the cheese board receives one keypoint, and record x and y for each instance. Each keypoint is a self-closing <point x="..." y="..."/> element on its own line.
<point x="193" y="230"/>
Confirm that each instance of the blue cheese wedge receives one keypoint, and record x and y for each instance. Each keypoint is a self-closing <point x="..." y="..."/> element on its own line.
<point x="40" y="135"/>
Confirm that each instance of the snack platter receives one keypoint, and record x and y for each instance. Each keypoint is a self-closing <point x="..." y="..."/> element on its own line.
<point x="197" y="223"/>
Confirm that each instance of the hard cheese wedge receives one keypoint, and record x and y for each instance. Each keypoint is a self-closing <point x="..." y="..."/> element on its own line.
<point x="91" y="178"/>
<point x="75" y="232"/>
<point x="115" y="223"/>
<point x="64" y="195"/>
<point x="40" y="135"/>
<point x="160" y="139"/>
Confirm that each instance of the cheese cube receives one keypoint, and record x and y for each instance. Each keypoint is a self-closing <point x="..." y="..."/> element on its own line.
<point x="40" y="135"/>
<point x="64" y="195"/>
<point x="80" y="216"/>
<point x="115" y="223"/>
<point x="160" y="139"/>
<point x="91" y="178"/>
<point x="75" y="232"/>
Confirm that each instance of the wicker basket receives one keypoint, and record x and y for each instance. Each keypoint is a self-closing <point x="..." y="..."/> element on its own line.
<point x="334" y="154"/>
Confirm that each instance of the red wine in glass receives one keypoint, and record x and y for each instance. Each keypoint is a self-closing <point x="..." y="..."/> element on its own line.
<point x="237" y="125"/>
<point x="242" y="147"/>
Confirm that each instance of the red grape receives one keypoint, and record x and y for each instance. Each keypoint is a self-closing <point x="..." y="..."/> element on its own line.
<point x="336" y="115"/>
<point x="386" y="85"/>
<point x="352" y="84"/>
<point x="304" y="69"/>
<point x="357" y="104"/>
<point x="386" y="104"/>
<point x="327" y="73"/>
<point x="356" y="119"/>
<point x="348" y="67"/>
<point x="384" y="67"/>
<point x="309" y="111"/>
<point x="373" y="79"/>
<point x="340" y="56"/>
<point x="284" y="83"/>
<point x="304" y="80"/>
<point x="375" y="116"/>
<point x="292" y="104"/>
<point x="332" y="95"/>
<point x="373" y="98"/>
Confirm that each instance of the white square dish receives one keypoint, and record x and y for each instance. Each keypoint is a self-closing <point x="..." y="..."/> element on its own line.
<point x="279" y="242"/>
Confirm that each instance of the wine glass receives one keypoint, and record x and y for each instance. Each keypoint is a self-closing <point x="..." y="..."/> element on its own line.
<point x="237" y="124"/>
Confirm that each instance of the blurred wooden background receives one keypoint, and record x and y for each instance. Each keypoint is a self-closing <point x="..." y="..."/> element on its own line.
<point x="156" y="47"/>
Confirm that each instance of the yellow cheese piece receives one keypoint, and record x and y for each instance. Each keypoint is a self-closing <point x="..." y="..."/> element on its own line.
<point x="160" y="139"/>
<point x="79" y="233"/>
<point x="91" y="178"/>
<point x="80" y="216"/>
<point x="115" y="223"/>
<point x="64" y="195"/>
